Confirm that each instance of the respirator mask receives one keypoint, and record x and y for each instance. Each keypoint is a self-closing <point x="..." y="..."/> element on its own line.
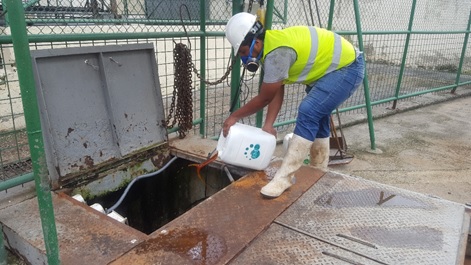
<point x="252" y="63"/>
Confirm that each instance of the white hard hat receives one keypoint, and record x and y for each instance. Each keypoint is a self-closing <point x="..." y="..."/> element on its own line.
<point x="237" y="28"/>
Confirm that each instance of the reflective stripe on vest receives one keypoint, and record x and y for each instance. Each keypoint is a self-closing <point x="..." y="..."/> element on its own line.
<point x="318" y="51"/>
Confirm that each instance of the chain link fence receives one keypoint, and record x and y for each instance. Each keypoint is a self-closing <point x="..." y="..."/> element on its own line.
<point x="412" y="48"/>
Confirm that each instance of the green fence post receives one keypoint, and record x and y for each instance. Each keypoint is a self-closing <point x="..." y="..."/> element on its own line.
<point x="463" y="53"/>
<point x="365" y="80"/>
<point x="267" y="25"/>
<point x="404" y="55"/>
<point x="203" y="67"/>
<point x="235" y="74"/>
<point x="126" y="8"/>
<point x="331" y="15"/>
<point x="31" y="112"/>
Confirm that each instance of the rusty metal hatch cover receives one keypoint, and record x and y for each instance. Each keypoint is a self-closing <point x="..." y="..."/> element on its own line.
<point x="97" y="104"/>
<point x="219" y="228"/>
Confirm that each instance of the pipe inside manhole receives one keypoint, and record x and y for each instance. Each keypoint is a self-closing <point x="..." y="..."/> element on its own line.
<point x="152" y="202"/>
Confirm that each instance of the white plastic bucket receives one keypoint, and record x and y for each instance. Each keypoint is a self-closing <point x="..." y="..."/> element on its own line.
<point x="246" y="146"/>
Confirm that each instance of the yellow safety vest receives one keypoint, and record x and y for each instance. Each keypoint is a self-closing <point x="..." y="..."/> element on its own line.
<point x="319" y="51"/>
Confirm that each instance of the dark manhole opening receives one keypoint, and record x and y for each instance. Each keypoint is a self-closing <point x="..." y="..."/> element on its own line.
<point x="155" y="201"/>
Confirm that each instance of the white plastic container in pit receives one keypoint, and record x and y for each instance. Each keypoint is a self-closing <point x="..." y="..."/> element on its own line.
<point x="246" y="146"/>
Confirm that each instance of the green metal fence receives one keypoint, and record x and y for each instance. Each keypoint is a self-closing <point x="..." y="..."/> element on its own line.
<point x="420" y="47"/>
<point x="412" y="48"/>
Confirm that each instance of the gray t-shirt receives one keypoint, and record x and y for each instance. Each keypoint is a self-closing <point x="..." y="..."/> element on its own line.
<point x="277" y="64"/>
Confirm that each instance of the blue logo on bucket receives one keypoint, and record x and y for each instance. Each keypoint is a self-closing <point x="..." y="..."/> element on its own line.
<point x="252" y="152"/>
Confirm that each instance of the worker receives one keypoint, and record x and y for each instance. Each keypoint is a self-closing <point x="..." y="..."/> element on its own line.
<point x="330" y="67"/>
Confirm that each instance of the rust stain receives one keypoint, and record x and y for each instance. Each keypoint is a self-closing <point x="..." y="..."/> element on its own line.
<point x="100" y="239"/>
<point x="159" y="159"/>
<point x="192" y="244"/>
<point x="89" y="161"/>
<point x="256" y="178"/>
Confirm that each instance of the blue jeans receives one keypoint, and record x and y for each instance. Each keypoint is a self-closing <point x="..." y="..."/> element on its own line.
<point x="324" y="96"/>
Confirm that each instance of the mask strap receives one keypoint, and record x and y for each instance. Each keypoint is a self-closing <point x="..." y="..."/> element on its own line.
<point x="251" y="50"/>
<point x="251" y="47"/>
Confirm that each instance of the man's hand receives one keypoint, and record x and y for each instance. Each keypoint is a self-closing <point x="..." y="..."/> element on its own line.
<point x="227" y="125"/>
<point x="269" y="129"/>
<point x="265" y="96"/>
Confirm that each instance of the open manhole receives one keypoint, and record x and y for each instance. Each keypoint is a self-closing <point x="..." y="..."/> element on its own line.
<point x="151" y="202"/>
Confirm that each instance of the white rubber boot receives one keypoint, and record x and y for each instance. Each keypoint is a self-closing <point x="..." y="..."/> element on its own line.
<point x="293" y="160"/>
<point x="320" y="152"/>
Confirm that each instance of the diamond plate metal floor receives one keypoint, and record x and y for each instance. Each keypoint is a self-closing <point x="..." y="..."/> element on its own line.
<point x="347" y="220"/>
<point x="327" y="218"/>
<point x="338" y="220"/>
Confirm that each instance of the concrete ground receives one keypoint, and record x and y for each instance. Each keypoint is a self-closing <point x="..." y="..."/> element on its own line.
<point x="427" y="150"/>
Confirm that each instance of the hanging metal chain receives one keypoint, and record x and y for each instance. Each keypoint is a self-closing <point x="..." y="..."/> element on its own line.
<point x="249" y="9"/>
<point x="183" y="85"/>
<point x="182" y="91"/>
<point x="224" y="76"/>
